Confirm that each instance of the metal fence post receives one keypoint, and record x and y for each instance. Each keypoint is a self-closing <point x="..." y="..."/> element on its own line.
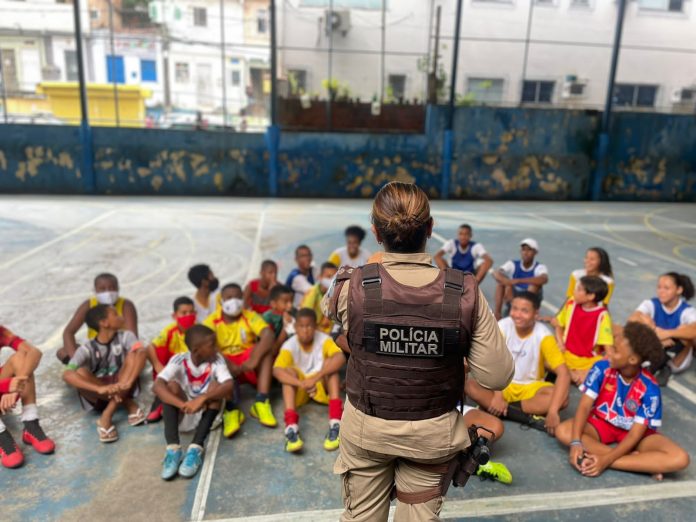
<point x="448" y="137"/>
<point x="85" y="130"/>
<point x="273" y="131"/>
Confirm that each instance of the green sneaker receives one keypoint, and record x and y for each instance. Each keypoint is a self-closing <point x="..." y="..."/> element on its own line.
<point x="262" y="411"/>
<point x="495" y="471"/>
<point x="293" y="442"/>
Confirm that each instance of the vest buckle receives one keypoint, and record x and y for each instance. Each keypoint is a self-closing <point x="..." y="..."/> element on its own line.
<point x="371" y="280"/>
<point x="453" y="286"/>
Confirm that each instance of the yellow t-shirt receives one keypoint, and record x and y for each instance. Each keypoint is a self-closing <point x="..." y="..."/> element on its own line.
<point x="576" y="275"/>
<point x="91" y="334"/>
<point x="237" y="336"/>
<point x="308" y="362"/>
<point x="172" y="339"/>
<point x="312" y="300"/>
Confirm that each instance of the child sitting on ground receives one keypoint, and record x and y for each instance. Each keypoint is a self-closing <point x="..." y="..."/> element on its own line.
<point x="169" y="343"/>
<point x="257" y="292"/>
<point x="105" y="292"/>
<point x="246" y="342"/>
<point x="279" y="318"/>
<point x="583" y="327"/>
<point x="17" y="382"/>
<point x="307" y="367"/>
<point x="534" y="350"/>
<point x="519" y="275"/>
<point x="622" y="404"/>
<point x="301" y="278"/>
<point x="105" y="371"/>
<point x="312" y="299"/>
<point x="191" y="387"/>
<point x="466" y="255"/>
<point x="352" y="254"/>
<point x="206" y="300"/>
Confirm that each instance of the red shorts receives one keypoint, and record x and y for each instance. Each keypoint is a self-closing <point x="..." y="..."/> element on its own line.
<point x="608" y="433"/>
<point x="247" y="377"/>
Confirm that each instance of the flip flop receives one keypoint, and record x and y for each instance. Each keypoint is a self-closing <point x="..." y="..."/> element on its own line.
<point x="107" y="435"/>
<point x="137" y="418"/>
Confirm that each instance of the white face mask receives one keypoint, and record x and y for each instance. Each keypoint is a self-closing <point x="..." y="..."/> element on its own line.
<point x="107" y="298"/>
<point x="326" y="282"/>
<point x="232" y="307"/>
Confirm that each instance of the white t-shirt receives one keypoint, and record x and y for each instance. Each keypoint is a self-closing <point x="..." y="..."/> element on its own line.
<point x="526" y="352"/>
<point x="508" y="268"/>
<point x="202" y="311"/>
<point x="300" y="285"/>
<point x="688" y="315"/>
<point x="309" y="362"/>
<point x="477" y="251"/>
<point x="194" y="380"/>
<point x="340" y="257"/>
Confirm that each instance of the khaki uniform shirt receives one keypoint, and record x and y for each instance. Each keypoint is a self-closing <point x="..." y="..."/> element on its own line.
<point x="490" y="364"/>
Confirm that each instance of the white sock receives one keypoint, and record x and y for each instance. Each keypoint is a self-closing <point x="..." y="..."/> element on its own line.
<point x="334" y="422"/>
<point x="292" y="427"/>
<point x="2" y="426"/>
<point x="173" y="446"/>
<point x="29" y="412"/>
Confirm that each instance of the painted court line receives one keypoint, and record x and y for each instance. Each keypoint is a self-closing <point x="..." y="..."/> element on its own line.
<point x="508" y="505"/>
<point x="627" y="261"/>
<point x="682" y="390"/>
<point x="203" y="489"/>
<point x="57" y="239"/>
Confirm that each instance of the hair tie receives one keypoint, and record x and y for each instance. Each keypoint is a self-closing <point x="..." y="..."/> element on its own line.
<point x="645" y="364"/>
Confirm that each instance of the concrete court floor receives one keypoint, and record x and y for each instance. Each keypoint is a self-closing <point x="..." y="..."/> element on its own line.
<point x="53" y="246"/>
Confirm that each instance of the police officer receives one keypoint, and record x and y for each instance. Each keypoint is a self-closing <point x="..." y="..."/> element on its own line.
<point x="409" y="327"/>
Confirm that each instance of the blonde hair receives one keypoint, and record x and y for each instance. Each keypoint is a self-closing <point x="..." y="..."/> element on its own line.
<point x="401" y="215"/>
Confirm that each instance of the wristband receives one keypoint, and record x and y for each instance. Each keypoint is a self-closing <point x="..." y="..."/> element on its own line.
<point x="576" y="442"/>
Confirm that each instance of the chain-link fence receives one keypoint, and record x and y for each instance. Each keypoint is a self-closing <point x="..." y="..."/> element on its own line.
<point x="342" y="64"/>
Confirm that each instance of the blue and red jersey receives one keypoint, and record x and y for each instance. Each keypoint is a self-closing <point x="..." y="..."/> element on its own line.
<point x="622" y="403"/>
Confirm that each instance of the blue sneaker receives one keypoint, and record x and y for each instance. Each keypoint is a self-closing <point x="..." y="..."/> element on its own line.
<point x="192" y="461"/>
<point x="172" y="459"/>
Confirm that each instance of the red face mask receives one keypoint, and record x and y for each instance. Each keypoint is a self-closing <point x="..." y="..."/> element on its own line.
<point x="186" y="321"/>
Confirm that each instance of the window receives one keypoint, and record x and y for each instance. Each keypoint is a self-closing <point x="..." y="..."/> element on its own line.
<point x="181" y="72"/>
<point x="236" y="78"/>
<point x="115" y="70"/>
<point x="261" y="21"/>
<point x="629" y="95"/>
<point x="672" y="6"/>
<point x="397" y="86"/>
<point x="546" y="2"/>
<point x="298" y="81"/>
<point x="581" y="3"/>
<point x="537" y="91"/>
<point x="148" y="71"/>
<point x="71" y="74"/>
<point x="200" y="17"/>
<point x="487" y="90"/>
<point x="94" y="14"/>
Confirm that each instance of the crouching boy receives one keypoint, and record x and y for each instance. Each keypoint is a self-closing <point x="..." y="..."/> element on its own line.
<point x="307" y="367"/>
<point x="191" y="388"/>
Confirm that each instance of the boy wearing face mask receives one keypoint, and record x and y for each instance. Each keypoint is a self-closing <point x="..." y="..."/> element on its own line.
<point x="169" y="343"/>
<point x="246" y="341"/>
<point x="105" y="370"/>
<point x="206" y="299"/>
<point x="106" y="292"/>
<point x="312" y="299"/>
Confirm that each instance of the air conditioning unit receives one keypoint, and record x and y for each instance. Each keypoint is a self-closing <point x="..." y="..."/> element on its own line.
<point x="573" y="88"/>
<point x="684" y="96"/>
<point x="337" y="22"/>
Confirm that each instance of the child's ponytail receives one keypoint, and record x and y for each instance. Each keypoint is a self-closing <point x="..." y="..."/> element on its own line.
<point x="684" y="282"/>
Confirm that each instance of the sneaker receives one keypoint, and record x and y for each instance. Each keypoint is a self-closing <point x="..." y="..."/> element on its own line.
<point x="10" y="454"/>
<point x="192" y="461"/>
<point x="332" y="439"/>
<point x="537" y="422"/>
<point x="156" y="410"/>
<point x="293" y="442"/>
<point x="33" y="434"/>
<point x="495" y="471"/>
<point x="662" y="375"/>
<point x="262" y="411"/>
<point x="172" y="459"/>
<point x="232" y="420"/>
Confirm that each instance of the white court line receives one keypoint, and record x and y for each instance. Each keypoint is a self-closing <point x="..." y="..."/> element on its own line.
<point x="514" y="504"/>
<point x="627" y="261"/>
<point x="57" y="239"/>
<point x="681" y="390"/>
<point x="203" y="489"/>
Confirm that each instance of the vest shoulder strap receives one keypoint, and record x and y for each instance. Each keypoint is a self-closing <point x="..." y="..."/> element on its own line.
<point x="371" y="281"/>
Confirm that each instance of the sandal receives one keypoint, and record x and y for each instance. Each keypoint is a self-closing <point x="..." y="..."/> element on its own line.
<point x="137" y="418"/>
<point x="107" y="434"/>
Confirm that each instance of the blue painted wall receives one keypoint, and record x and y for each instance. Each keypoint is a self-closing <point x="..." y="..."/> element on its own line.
<point x="498" y="153"/>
